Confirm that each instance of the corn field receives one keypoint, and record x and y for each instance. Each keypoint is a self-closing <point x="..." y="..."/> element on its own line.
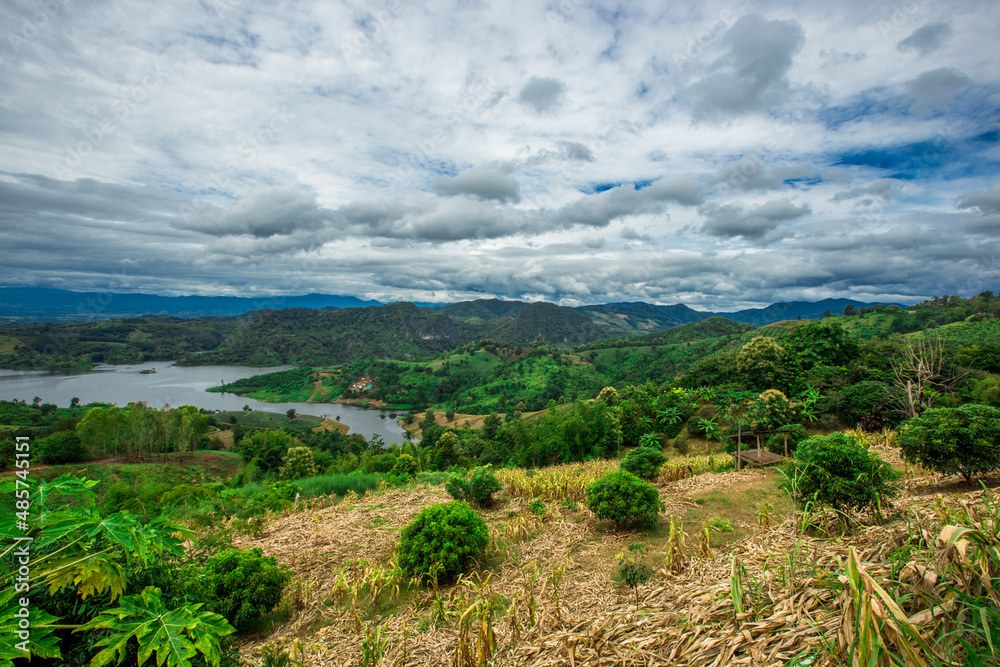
<point x="903" y="592"/>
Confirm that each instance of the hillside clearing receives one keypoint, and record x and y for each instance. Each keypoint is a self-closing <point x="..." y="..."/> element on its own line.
<point x="561" y="572"/>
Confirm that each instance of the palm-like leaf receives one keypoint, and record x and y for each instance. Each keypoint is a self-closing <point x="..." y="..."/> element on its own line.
<point x="175" y="635"/>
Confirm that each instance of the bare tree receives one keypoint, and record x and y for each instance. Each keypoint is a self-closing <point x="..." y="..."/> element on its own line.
<point x="922" y="375"/>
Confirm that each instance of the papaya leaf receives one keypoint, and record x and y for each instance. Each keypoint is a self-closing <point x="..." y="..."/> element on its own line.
<point x="42" y="642"/>
<point x="175" y="636"/>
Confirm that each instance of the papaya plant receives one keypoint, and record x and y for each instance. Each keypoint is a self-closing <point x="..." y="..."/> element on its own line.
<point x="73" y="546"/>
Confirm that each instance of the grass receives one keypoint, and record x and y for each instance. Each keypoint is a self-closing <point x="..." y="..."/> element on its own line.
<point x="201" y="467"/>
<point x="737" y="503"/>
<point x="262" y="419"/>
<point x="336" y="484"/>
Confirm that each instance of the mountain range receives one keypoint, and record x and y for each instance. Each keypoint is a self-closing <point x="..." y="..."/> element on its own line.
<point x="42" y="304"/>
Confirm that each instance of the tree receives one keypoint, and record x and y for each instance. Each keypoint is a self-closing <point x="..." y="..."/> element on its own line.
<point x="922" y="375"/>
<point x="963" y="440"/>
<point x="299" y="462"/>
<point x="74" y="402"/>
<point x="760" y="361"/>
<point x="291" y="414"/>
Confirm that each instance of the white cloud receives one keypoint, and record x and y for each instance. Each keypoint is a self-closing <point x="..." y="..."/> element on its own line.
<point x="384" y="150"/>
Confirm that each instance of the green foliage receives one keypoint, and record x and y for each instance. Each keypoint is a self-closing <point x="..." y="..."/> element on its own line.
<point x="337" y="484"/>
<point x="840" y="472"/>
<point x="632" y="568"/>
<point x="644" y="462"/>
<point x="622" y="497"/>
<point x="861" y="399"/>
<point x="174" y="636"/>
<point x="299" y="463"/>
<point x="609" y="395"/>
<point x="537" y="508"/>
<point x="964" y="440"/>
<point x="137" y="430"/>
<point x="770" y="409"/>
<point x="478" y="489"/>
<point x="404" y="470"/>
<point x="245" y="585"/>
<point x="268" y="447"/>
<point x="589" y="431"/>
<point x="776" y="442"/>
<point x="760" y="362"/>
<point x="445" y="539"/>
<point x="61" y="447"/>
<point x="79" y="551"/>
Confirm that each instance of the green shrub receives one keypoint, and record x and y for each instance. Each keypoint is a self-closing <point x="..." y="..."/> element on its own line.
<point x="61" y="447"/>
<point x="7" y="451"/>
<point x="644" y="462"/>
<point x="681" y="444"/>
<point x="840" y="472"/>
<point x="447" y="537"/>
<point x="478" y="489"/>
<point x="538" y="508"/>
<point x="403" y="471"/>
<point x="298" y="463"/>
<point x="776" y="442"/>
<point x="267" y="446"/>
<point x="963" y="440"/>
<point x="244" y="585"/>
<point x="622" y="497"/>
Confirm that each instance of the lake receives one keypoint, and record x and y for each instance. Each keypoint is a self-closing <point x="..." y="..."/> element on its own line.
<point x="176" y="386"/>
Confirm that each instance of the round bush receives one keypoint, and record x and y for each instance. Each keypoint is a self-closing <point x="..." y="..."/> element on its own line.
<point x="622" y="497"/>
<point x="448" y="536"/>
<point x="478" y="490"/>
<point x="62" y="447"/>
<point x="299" y="462"/>
<point x="403" y="471"/>
<point x="644" y="462"/>
<point x="838" y="471"/>
<point x="964" y="440"/>
<point x="245" y="585"/>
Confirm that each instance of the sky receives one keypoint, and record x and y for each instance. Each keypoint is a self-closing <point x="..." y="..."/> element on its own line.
<point x="719" y="154"/>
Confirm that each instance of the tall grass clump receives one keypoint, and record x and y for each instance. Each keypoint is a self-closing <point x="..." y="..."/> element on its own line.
<point x="336" y="484"/>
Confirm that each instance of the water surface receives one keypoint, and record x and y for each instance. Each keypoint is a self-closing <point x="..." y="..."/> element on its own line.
<point x="175" y="386"/>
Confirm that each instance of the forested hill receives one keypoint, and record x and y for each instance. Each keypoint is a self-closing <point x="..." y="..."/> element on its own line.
<point x="40" y="304"/>
<point x="322" y="337"/>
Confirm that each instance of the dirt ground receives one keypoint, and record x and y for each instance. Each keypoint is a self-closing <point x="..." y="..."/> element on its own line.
<point x="553" y="583"/>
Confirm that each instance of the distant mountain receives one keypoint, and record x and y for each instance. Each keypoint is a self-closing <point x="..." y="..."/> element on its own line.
<point x="40" y="303"/>
<point x="791" y="310"/>
<point x="629" y="319"/>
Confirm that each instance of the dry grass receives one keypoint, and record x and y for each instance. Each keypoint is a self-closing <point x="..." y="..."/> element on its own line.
<point x="331" y="425"/>
<point x="546" y="594"/>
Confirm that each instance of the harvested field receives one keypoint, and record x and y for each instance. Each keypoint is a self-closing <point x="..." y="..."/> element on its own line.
<point x="548" y="595"/>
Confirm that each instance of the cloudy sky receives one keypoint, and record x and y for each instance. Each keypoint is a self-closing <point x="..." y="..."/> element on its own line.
<point x="719" y="154"/>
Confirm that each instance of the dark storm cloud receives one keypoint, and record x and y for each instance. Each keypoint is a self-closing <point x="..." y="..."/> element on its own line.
<point x="753" y="74"/>
<point x="927" y="38"/>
